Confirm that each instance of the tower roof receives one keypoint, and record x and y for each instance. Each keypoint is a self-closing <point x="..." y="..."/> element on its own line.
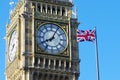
<point x="70" y="1"/>
<point x="64" y="0"/>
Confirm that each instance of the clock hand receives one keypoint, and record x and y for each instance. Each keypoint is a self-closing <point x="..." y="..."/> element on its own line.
<point x="53" y="35"/>
<point x="45" y="41"/>
<point x="13" y="46"/>
<point x="55" y="32"/>
<point x="50" y="39"/>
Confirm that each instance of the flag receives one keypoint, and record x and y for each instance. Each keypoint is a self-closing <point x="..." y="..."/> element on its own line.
<point x="87" y="35"/>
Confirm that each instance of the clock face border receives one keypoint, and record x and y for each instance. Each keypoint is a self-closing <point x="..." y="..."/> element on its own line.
<point x="40" y="50"/>
<point x="13" y="42"/>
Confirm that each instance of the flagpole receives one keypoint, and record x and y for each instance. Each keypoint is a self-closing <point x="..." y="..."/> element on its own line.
<point x="97" y="58"/>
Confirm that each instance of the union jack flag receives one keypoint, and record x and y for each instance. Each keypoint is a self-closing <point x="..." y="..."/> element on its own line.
<point x="87" y="35"/>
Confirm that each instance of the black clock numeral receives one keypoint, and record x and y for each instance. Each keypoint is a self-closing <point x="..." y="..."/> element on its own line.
<point x="45" y="27"/>
<point x="41" y="31"/>
<point x="51" y="50"/>
<point x="61" y="45"/>
<point x="61" y="34"/>
<point x="46" y="47"/>
<point x="63" y="39"/>
<point x="41" y="42"/>
<point x="51" y="26"/>
<point x="58" y="49"/>
<point x="39" y="36"/>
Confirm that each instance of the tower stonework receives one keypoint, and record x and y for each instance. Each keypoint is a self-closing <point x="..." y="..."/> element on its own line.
<point x="41" y="41"/>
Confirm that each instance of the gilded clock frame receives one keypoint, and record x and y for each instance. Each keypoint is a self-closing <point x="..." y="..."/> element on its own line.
<point x="37" y="47"/>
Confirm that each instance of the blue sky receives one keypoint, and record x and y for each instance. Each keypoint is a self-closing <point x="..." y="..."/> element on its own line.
<point x="105" y="15"/>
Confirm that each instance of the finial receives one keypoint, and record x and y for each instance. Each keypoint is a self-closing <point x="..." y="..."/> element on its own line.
<point x="70" y="1"/>
<point x="74" y="13"/>
<point x="11" y="3"/>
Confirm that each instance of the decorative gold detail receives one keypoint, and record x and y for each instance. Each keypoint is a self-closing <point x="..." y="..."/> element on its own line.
<point x="38" y="49"/>
<point x="38" y="23"/>
<point x="64" y="27"/>
<point x="65" y="53"/>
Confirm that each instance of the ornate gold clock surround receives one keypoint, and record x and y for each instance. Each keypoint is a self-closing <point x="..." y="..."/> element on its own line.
<point x="63" y="26"/>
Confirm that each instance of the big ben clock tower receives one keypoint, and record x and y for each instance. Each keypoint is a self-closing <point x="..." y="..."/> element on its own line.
<point x="41" y="41"/>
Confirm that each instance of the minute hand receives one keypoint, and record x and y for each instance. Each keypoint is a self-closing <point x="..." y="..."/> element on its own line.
<point x="53" y="35"/>
<point x="55" y="32"/>
<point x="50" y="39"/>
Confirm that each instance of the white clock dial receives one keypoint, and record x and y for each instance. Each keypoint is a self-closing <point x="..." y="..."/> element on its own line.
<point x="13" y="44"/>
<point x="51" y="38"/>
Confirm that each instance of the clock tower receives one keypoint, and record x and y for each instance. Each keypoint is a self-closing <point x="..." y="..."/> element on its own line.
<point x="41" y="41"/>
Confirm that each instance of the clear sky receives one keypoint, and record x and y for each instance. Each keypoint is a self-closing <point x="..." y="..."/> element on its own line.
<point x="105" y="15"/>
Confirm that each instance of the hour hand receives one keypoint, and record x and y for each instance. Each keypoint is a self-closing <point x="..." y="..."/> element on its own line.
<point x="13" y="46"/>
<point x="51" y="38"/>
<point x="46" y="40"/>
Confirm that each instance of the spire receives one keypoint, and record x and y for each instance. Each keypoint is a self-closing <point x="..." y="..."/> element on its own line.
<point x="74" y="12"/>
<point x="64" y="0"/>
<point x="70" y="1"/>
<point x="11" y="3"/>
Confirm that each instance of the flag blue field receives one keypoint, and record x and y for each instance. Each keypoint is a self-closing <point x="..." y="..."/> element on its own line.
<point x="105" y="15"/>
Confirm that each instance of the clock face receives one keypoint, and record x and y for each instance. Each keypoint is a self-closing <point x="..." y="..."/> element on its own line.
<point x="51" y="38"/>
<point x="13" y="44"/>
